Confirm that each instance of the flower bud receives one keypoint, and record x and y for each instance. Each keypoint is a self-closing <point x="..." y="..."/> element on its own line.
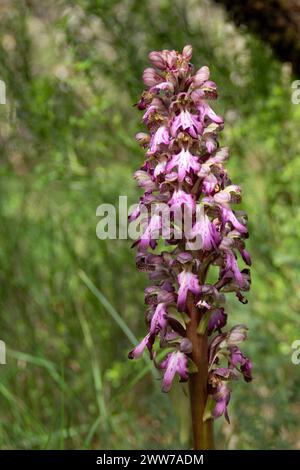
<point x="201" y="76"/>
<point x="187" y="52"/>
<point x="186" y="346"/>
<point x="157" y="60"/>
<point x="151" y="78"/>
<point x="142" y="138"/>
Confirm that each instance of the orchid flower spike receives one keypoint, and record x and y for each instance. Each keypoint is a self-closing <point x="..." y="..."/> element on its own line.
<point x="184" y="170"/>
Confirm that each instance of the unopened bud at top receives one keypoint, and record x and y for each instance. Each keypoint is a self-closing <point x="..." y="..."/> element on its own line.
<point x="187" y="52"/>
<point x="157" y="60"/>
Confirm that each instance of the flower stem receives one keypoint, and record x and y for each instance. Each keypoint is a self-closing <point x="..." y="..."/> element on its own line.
<point x="202" y="431"/>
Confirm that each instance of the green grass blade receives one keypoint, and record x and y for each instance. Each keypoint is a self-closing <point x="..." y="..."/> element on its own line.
<point x="108" y="307"/>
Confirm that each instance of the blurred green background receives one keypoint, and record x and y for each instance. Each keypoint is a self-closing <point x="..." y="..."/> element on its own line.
<point x="70" y="303"/>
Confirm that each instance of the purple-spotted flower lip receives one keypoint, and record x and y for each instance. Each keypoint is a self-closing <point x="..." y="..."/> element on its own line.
<point x="182" y="198"/>
<point x="185" y="162"/>
<point x="175" y="363"/>
<point x="160" y="168"/>
<point x="139" y="349"/>
<point x="159" y="319"/>
<point x="160" y="137"/>
<point x="241" y="362"/>
<point x="205" y="111"/>
<point x="151" y="233"/>
<point x="209" y="184"/>
<point x="186" y="121"/>
<point x="228" y="215"/>
<point x="217" y="320"/>
<point x="188" y="282"/>
<point x="231" y="268"/>
<point x="205" y="229"/>
<point x="222" y="398"/>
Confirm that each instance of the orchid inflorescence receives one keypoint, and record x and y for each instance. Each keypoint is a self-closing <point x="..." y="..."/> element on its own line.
<point x="184" y="167"/>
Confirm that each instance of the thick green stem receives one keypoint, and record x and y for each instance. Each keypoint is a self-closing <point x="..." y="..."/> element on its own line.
<point x="202" y="431"/>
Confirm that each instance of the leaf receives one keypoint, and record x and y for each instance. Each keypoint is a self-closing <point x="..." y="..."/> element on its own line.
<point x="202" y="327"/>
<point x="192" y="368"/>
<point x="107" y="305"/>
<point x="181" y="317"/>
<point x="209" y="408"/>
